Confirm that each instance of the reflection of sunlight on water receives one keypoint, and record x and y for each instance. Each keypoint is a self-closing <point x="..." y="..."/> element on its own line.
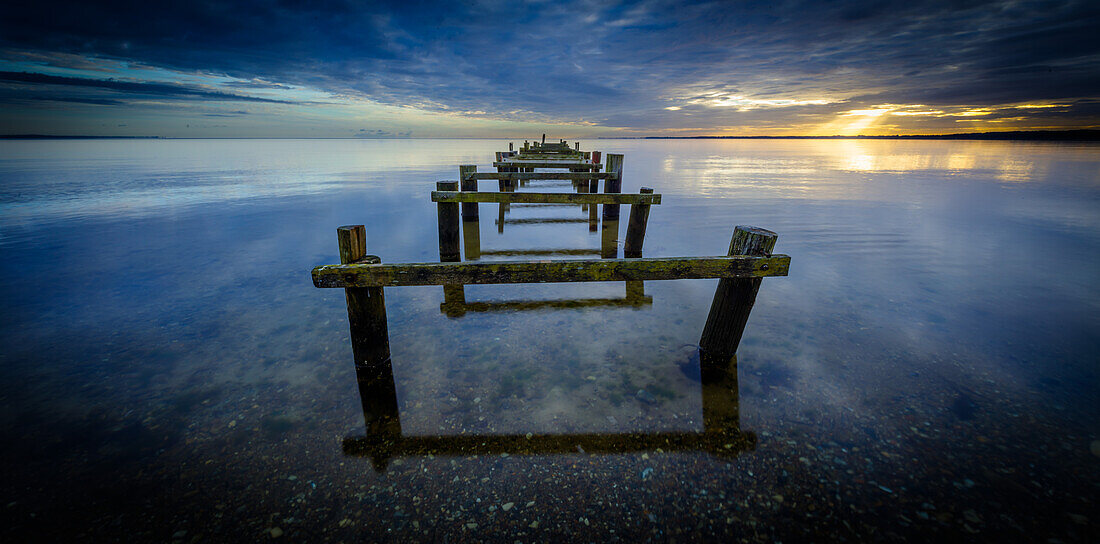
<point x="1016" y="170"/>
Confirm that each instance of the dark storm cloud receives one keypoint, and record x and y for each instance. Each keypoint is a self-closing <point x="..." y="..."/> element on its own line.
<point x="169" y="90"/>
<point x="619" y="63"/>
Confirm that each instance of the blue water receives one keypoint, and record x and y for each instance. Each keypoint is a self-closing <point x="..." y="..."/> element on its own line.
<point x="928" y="370"/>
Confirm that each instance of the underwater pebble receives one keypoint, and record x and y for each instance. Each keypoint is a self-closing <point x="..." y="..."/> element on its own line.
<point x="275" y="532"/>
<point x="507" y="506"/>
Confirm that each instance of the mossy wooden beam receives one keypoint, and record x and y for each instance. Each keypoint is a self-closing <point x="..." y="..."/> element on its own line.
<point x="517" y="176"/>
<point x="549" y="164"/>
<point x="546" y="198"/>
<point x="657" y="268"/>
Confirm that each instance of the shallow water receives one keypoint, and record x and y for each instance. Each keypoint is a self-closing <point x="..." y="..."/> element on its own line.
<point x="927" y="370"/>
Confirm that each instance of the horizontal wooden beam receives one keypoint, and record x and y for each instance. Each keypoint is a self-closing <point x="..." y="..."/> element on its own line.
<point x="543" y="175"/>
<point x="546" y="198"/>
<point x="659" y="268"/>
<point x="549" y="164"/>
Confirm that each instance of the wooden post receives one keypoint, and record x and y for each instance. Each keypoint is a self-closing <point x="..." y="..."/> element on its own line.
<point x="510" y="148"/>
<point x="733" y="299"/>
<point x="543" y="139"/>
<point x="448" y="224"/>
<point x="594" y="187"/>
<point x="578" y="146"/>
<point x="370" y="341"/>
<point x="614" y="165"/>
<point x="635" y="227"/>
<point x="469" y="209"/>
<point x="609" y="247"/>
<point x="453" y="295"/>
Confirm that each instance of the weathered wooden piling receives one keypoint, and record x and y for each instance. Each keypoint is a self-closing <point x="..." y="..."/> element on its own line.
<point x="370" y="341"/>
<point x="468" y="183"/>
<point x="448" y="224"/>
<point x="453" y="294"/>
<point x="734" y="298"/>
<point x="613" y="184"/>
<point x="594" y="187"/>
<point x="635" y="227"/>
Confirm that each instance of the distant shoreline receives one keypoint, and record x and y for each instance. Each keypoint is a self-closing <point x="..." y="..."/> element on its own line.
<point x="1081" y="135"/>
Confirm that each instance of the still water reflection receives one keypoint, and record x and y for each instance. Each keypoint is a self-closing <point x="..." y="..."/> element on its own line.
<point x="922" y="374"/>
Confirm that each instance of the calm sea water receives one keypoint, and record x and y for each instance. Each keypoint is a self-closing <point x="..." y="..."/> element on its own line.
<point x="928" y="370"/>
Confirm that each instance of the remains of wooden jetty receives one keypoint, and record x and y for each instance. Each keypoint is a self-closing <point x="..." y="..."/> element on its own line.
<point x="364" y="277"/>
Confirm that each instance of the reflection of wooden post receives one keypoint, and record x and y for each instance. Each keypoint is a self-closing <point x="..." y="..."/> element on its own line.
<point x="733" y="299"/>
<point x="721" y="409"/>
<point x="381" y="415"/>
<point x="635" y="293"/>
<point x="635" y="227"/>
<point x="471" y="239"/>
<point x="510" y="148"/>
<point x="370" y="341"/>
<point x="469" y="209"/>
<point x="613" y="184"/>
<point x="609" y="248"/>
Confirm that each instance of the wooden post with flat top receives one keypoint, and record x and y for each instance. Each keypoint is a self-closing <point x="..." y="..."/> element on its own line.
<point x="448" y="224"/>
<point x="613" y="184"/>
<point x="453" y="295"/>
<point x="734" y="297"/>
<point x="469" y="209"/>
<point x="635" y="228"/>
<point x="370" y="341"/>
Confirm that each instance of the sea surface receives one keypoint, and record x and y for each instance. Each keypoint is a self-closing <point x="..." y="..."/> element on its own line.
<point x="928" y="371"/>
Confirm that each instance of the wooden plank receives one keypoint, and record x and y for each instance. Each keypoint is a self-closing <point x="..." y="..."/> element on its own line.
<point x="659" y="268"/>
<point x="546" y="198"/>
<point x="549" y="164"/>
<point x="514" y="176"/>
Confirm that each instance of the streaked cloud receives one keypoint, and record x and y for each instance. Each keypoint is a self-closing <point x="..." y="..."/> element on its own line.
<point x="585" y="67"/>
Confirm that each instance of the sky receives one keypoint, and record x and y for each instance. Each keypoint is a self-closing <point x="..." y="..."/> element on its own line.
<point x="511" y="69"/>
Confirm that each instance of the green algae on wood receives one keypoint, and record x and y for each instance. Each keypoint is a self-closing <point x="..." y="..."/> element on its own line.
<point x="659" y="268"/>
